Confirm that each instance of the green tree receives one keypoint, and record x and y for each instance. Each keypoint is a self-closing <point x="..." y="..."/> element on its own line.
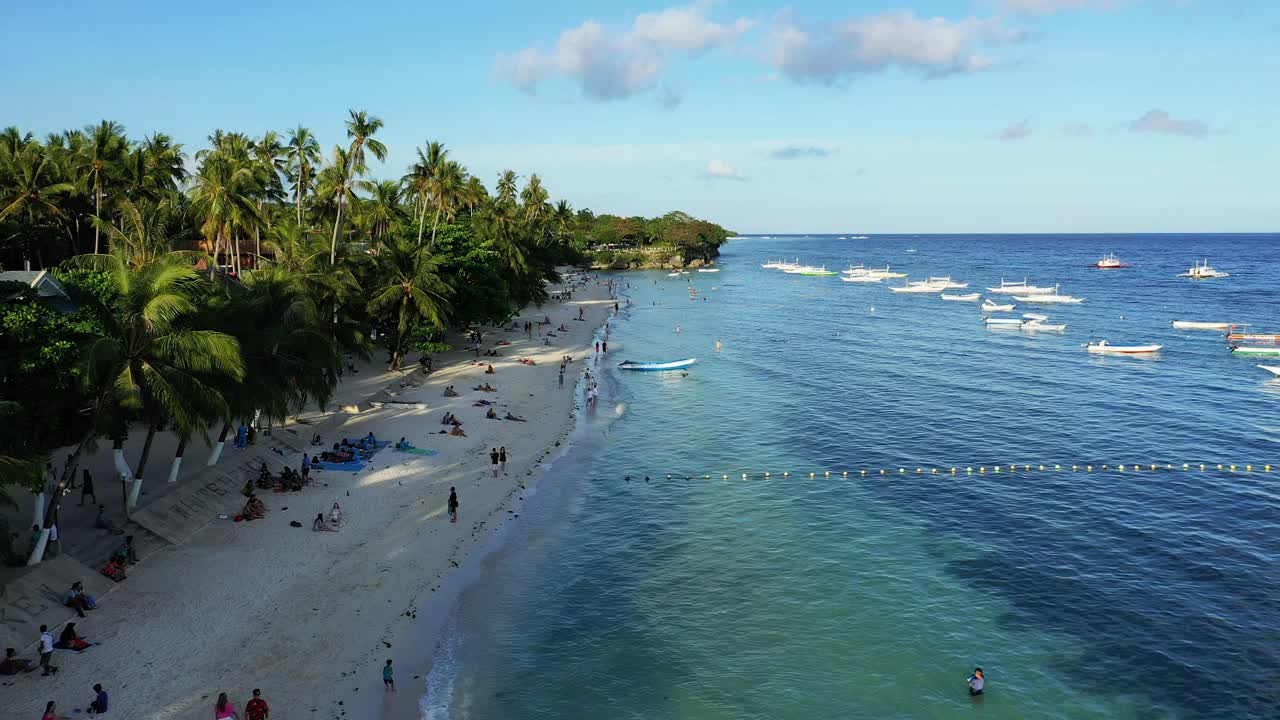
<point x="410" y="293"/>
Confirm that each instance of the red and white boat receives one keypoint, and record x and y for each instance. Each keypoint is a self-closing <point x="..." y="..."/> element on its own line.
<point x="1110" y="262"/>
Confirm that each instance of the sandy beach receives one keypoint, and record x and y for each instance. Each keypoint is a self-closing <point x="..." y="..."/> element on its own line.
<point x="311" y="617"/>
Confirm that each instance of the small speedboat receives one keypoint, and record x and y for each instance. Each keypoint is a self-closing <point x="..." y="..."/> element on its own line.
<point x="1104" y="347"/>
<point x="1051" y="297"/>
<point x="1193" y="325"/>
<point x="1110" y="262"/>
<point x="989" y="306"/>
<point x="1202" y="271"/>
<point x="656" y="366"/>
<point x="1273" y="369"/>
<point x="1253" y="337"/>
<point x="970" y="297"/>
<point x="708" y="269"/>
<point x="1003" y="322"/>
<point x="674" y="274"/>
<point x="1257" y="350"/>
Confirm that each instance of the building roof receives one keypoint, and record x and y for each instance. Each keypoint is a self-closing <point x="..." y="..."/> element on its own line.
<point x="48" y="290"/>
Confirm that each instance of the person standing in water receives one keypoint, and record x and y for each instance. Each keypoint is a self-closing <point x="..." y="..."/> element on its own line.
<point x="976" y="683"/>
<point x="453" y="509"/>
<point x="718" y="344"/>
<point x="388" y="677"/>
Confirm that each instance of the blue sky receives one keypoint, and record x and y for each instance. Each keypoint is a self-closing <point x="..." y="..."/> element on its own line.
<point x="926" y="116"/>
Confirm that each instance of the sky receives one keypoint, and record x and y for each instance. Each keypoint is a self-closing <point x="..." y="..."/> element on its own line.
<point x="822" y="116"/>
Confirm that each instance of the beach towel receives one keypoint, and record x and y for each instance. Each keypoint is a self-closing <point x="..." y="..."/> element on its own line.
<point x="350" y="466"/>
<point x="416" y="451"/>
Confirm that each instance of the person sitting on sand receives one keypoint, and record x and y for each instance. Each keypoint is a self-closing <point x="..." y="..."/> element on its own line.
<point x="71" y="640"/>
<point x="77" y="599"/>
<point x="491" y="415"/>
<point x="126" y="553"/>
<point x="562" y="328"/>
<point x="114" y="570"/>
<point x="319" y="525"/>
<point x="335" y="516"/>
<point x="513" y="417"/>
<point x="445" y="420"/>
<point x="457" y="431"/>
<point x="254" y="509"/>
<point x="102" y="523"/>
<point x="403" y="445"/>
<point x="370" y="440"/>
<point x="450" y="392"/>
<point x="489" y="371"/>
<point x="13" y="665"/>
<point x="51" y="712"/>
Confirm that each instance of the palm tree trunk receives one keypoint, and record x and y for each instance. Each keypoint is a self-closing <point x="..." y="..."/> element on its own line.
<point x="434" y="223"/>
<point x="177" y="460"/>
<point x="97" y="210"/>
<point x="237" y="262"/>
<point x="257" y="242"/>
<point x="333" y="246"/>
<point x="51" y="512"/>
<point x="298" y="193"/>
<point x="216" y="452"/>
<point x="136" y="490"/>
<point x="422" y="219"/>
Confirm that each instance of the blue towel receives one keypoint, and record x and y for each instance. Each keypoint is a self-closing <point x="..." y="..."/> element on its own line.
<point x="350" y="466"/>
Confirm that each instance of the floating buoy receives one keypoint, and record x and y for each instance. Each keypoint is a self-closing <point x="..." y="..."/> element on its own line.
<point x="828" y="473"/>
<point x="846" y="473"/>
<point x="1073" y="468"/>
<point x="982" y="470"/>
<point x="744" y="476"/>
<point x="1089" y="468"/>
<point x="1121" y="467"/>
<point x="997" y="468"/>
<point x="810" y="476"/>
<point x="864" y="473"/>
<point x="901" y="471"/>
<point x="726" y="477"/>
<point x="1267" y="468"/>
<point x="881" y="471"/>
<point x="786" y="474"/>
<point x="1248" y="468"/>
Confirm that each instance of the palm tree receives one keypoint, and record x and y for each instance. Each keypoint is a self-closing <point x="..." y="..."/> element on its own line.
<point x="138" y="232"/>
<point x="159" y="364"/>
<point x="224" y="195"/>
<point x="410" y="291"/>
<point x="360" y="128"/>
<point x="562" y="218"/>
<point x="99" y="154"/>
<point x="335" y="185"/>
<point x="533" y="198"/>
<point x="166" y="162"/>
<point x="270" y="156"/>
<point x="303" y="155"/>
<point x="420" y="177"/>
<point x="382" y="209"/>
<point x="474" y="195"/>
<point x="507" y="187"/>
<point x="31" y="187"/>
<point x="447" y="189"/>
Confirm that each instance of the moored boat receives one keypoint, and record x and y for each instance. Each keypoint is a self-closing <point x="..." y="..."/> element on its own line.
<point x="1036" y="322"/>
<point x="1273" y="369"/>
<point x="1051" y="297"/>
<point x="946" y="283"/>
<point x="1003" y="322"/>
<point x="656" y="366"/>
<point x="1202" y="271"/>
<point x="1110" y="262"/>
<point x="969" y="297"/>
<point x="1194" y="325"/>
<point x="1104" y="347"/>
<point x="1017" y="287"/>
<point x="989" y="306"/>
<point x="862" y="278"/>
<point x="1253" y="337"/>
<point x="1257" y="350"/>
<point x="708" y="270"/>
<point x="818" y="271"/>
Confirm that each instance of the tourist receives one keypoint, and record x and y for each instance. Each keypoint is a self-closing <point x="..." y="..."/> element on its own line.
<point x="224" y="708"/>
<point x="502" y="454"/>
<point x="253" y="509"/>
<point x="114" y="570"/>
<point x="457" y="431"/>
<point x="101" y="701"/>
<point x="86" y="487"/>
<point x="453" y="505"/>
<point x="46" y="652"/>
<point x="604" y="346"/>
<point x="597" y="346"/>
<point x="306" y="467"/>
<point x="77" y="599"/>
<point x="514" y="418"/>
<point x="12" y="665"/>
<point x="127" y="553"/>
<point x="489" y="371"/>
<point x="491" y="415"/>
<point x="493" y="454"/>
<point x="319" y="525"/>
<point x="102" y="523"/>
<point x="50" y="712"/>
<point x="976" y="683"/>
<point x="256" y="708"/>
<point x="71" y="640"/>
<point x="388" y="677"/>
<point x="335" y="516"/>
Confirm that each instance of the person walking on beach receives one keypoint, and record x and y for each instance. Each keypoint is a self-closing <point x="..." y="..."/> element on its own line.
<point x="306" y="467"/>
<point x="493" y="459"/>
<point x="604" y="346"/>
<point x="453" y="513"/>
<point x="46" y="652"/>
<point x="502" y="458"/>
<point x="597" y="346"/>
<point x="977" y="683"/>
<point x="224" y="708"/>
<point x="388" y="677"/>
<point x="256" y="708"/>
<point x="86" y="487"/>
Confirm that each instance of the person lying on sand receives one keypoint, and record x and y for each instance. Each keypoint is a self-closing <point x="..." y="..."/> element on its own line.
<point x="527" y="361"/>
<point x="485" y="388"/>
<point x="513" y="417"/>
<point x="319" y="525"/>
<point x="457" y="431"/>
<point x="482" y="403"/>
<point x="491" y="414"/>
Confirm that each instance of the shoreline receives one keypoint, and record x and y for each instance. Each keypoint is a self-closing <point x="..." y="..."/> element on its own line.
<point x="310" y="617"/>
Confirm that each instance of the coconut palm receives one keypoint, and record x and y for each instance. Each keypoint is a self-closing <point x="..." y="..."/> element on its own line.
<point x="32" y="187"/>
<point x="166" y="162"/>
<point x="361" y="128"/>
<point x="409" y="292"/>
<point x="98" y="155"/>
<point x="138" y="232"/>
<point x="533" y="199"/>
<point x="382" y="210"/>
<point x="421" y="175"/>
<point x="507" y="187"/>
<point x="302" y="156"/>
<point x="269" y="153"/>
<point x="224" y="193"/>
<point x="334" y="185"/>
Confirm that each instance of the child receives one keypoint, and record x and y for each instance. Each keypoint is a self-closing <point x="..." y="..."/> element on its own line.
<point x="388" y="677"/>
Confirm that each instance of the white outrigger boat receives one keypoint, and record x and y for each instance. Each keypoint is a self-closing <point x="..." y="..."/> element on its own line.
<point x="1104" y="347"/>
<point x="989" y="306"/>
<point x="1193" y="325"/>
<point x="1017" y="288"/>
<point x="970" y="297"/>
<point x="1051" y="297"/>
<point x="673" y="274"/>
<point x="1003" y="322"/>
<point x="656" y="366"/>
<point x="1202" y="271"/>
<point x="1273" y="369"/>
<point x="919" y="287"/>
<point x="1040" y="323"/>
<point x="946" y="283"/>
<point x="861" y="278"/>
<point x="855" y="270"/>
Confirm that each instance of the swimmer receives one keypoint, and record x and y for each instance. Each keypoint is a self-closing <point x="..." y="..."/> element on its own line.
<point x="677" y="329"/>
<point x="976" y="683"/>
<point x="718" y="344"/>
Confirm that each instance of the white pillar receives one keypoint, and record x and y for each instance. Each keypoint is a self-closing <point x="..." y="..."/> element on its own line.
<point x="215" y="453"/>
<point x="37" y="510"/>
<point x="173" y="469"/>
<point x="134" y="491"/>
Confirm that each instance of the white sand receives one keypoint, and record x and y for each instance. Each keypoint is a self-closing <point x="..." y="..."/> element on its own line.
<point x="311" y="617"/>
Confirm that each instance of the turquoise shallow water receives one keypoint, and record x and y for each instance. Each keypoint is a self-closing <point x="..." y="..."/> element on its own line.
<point x="1083" y="595"/>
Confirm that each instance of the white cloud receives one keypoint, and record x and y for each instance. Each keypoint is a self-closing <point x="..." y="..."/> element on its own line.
<point x="1015" y="131"/>
<point x="934" y="46"/>
<point x="1048" y="7"/>
<point x="610" y="65"/>
<point x="721" y="170"/>
<point x="1159" y="121"/>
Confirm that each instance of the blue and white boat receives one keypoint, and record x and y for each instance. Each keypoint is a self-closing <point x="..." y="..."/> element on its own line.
<point x="656" y="366"/>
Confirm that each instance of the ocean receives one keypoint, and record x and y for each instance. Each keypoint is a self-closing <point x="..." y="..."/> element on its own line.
<point x="644" y="583"/>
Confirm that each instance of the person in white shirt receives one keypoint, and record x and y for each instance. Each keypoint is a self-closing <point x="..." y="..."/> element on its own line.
<point x="46" y="651"/>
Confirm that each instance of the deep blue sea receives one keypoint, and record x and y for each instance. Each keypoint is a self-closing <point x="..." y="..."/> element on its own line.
<point x="1085" y="594"/>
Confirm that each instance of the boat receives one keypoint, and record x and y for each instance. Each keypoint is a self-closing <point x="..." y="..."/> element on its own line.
<point x="708" y="270"/>
<point x="1273" y="369"/>
<point x="1202" y="271"/>
<point x="1017" y="288"/>
<point x="656" y="366"/>
<point x="674" y="274"/>
<point x="1253" y="337"/>
<point x="1193" y="325"/>
<point x="917" y="287"/>
<point x="1049" y="297"/>
<point x="1102" y="346"/>
<point x="946" y="283"/>
<point x="1003" y="322"/>
<point x="885" y="273"/>
<point x="855" y="270"/>
<point x="862" y="278"/>
<point x="970" y="297"/>
<point x="988" y="306"/>
<point x="1036" y="322"/>
<point x="1268" y="350"/>
<point x="1110" y="262"/>
<point x="818" y="271"/>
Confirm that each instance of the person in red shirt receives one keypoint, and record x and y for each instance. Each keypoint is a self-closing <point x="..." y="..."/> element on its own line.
<point x="256" y="709"/>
